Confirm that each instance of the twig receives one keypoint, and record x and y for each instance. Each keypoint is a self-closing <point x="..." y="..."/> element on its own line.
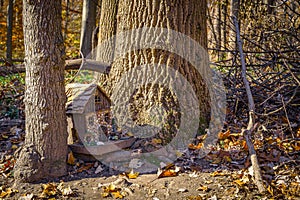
<point x="287" y="117"/>
<point x="250" y="128"/>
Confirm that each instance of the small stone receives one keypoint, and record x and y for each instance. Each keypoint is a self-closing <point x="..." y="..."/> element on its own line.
<point x="182" y="190"/>
<point x="99" y="169"/>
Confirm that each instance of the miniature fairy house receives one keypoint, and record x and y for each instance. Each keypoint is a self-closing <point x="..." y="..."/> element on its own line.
<point x="85" y="102"/>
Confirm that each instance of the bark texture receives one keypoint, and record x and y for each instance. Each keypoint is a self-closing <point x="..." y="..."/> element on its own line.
<point x="44" y="152"/>
<point x="184" y="16"/>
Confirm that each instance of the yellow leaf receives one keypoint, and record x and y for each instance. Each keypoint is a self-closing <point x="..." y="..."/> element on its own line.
<point x="105" y="194"/>
<point x="110" y="188"/>
<point x="156" y="141"/>
<point x="270" y="190"/>
<point x="7" y="192"/>
<point x="227" y="158"/>
<point x="132" y="175"/>
<point x="217" y="173"/>
<point x="239" y="182"/>
<point x="202" y="188"/>
<point x="71" y="158"/>
<point x="117" y="195"/>
<point x="49" y="189"/>
<point x="130" y="134"/>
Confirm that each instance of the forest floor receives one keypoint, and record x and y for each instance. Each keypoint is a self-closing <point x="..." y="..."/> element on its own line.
<point x="224" y="173"/>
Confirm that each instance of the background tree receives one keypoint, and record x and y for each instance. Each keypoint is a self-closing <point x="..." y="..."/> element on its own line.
<point x="188" y="17"/>
<point x="9" y="31"/>
<point x="89" y="9"/>
<point x="45" y="149"/>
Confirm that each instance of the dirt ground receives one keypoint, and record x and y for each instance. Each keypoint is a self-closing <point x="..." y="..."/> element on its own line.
<point x="147" y="186"/>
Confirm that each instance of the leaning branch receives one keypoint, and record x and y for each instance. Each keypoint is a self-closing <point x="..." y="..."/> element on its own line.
<point x="6" y="70"/>
<point x="251" y="123"/>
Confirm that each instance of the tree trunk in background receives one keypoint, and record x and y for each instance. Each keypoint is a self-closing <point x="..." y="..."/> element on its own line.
<point x="225" y="28"/>
<point x="218" y="27"/>
<point x="234" y="11"/>
<point x="88" y="25"/>
<point x="66" y="19"/>
<point x="107" y="29"/>
<point x="185" y="16"/>
<point x="9" y="30"/>
<point x="44" y="152"/>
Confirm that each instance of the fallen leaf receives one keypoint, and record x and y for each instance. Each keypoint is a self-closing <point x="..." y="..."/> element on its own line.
<point x="105" y="194"/>
<point x="85" y="167"/>
<point x="132" y="175"/>
<point x="195" y="147"/>
<point x="6" y="193"/>
<point x="194" y="198"/>
<point x="64" y="191"/>
<point x="168" y="172"/>
<point x="224" y="135"/>
<point x="202" y="188"/>
<point x="156" y="141"/>
<point x="49" y="189"/>
<point x="217" y="173"/>
<point x="239" y="182"/>
<point x="117" y="195"/>
<point x="71" y="158"/>
<point x="270" y="190"/>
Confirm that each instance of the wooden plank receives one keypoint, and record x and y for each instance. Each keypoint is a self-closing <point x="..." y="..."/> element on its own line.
<point x="108" y="147"/>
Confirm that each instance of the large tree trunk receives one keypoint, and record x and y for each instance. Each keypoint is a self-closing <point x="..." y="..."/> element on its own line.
<point x="184" y="16"/>
<point x="44" y="152"/>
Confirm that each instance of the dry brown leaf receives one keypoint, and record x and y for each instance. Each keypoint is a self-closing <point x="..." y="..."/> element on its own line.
<point x="194" y="198"/>
<point x="195" y="147"/>
<point x="224" y="135"/>
<point x="71" y="158"/>
<point x="168" y="172"/>
<point x="86" y="167"/>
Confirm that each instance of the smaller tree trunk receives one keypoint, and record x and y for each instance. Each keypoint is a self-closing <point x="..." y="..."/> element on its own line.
<point x="45" y="148"/>
<point x="9" y="31"/>
<point x="88" y="26"/>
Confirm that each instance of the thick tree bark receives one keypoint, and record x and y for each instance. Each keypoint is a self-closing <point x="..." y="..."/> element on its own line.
<point x="107" y="29"/>
<point x="188" y="17"/>
<point x="44" y="152"/>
